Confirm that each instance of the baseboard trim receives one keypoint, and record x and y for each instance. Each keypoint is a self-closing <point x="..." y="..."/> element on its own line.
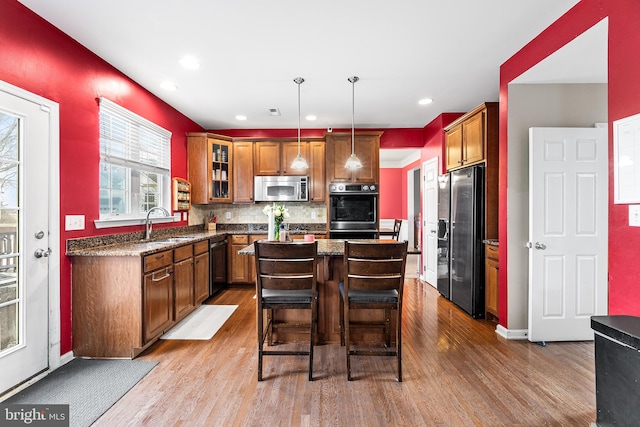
<point x="512" y="334"/>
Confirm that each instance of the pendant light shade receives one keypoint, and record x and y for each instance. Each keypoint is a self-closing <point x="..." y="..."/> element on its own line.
<point x="299" y="162"/>
<point x="353" y="162"/>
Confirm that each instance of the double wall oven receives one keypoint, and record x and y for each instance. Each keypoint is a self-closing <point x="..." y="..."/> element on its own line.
<point x="353" y="211"/>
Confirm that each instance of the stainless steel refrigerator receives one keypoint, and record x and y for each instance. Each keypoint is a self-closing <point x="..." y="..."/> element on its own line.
<point x="444" y="203"/>
<point x="465" y="235"/>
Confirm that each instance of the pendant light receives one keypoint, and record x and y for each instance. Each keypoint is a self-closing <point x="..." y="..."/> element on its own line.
<point x="299" y="162"/>
<point x="353" y="162"/>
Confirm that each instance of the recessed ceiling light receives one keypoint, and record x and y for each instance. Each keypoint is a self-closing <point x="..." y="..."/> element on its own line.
<point x="425" y="101"/>
<point x="190" y="62"/>
<point x="241" y="117"/>
<point x="168" y="86"/>
<point x="311" y="117"/>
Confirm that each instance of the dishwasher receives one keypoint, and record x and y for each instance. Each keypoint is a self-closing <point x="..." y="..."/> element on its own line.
<point x="218" y="264"/>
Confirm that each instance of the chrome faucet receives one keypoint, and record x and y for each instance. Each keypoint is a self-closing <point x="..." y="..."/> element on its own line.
<point x="148" y="226"/>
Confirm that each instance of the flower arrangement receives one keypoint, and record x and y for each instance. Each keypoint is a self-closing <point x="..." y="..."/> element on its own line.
<point x="280" y="212"/>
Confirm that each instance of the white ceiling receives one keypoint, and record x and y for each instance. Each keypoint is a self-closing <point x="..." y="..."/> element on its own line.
<point x="251" y="50"/>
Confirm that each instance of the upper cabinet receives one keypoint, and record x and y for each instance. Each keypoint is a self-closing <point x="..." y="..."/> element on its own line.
<point x="471" y="138"/>
<point x="243" y="171"/>
<point x="275" y="157"/>
<point x="338" y="150"/>
<point x="317" y="182"/>
<point x="210" y="167"/>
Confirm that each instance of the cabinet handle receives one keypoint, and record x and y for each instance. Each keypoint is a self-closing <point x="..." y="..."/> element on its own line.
<point x="167" y="273"/>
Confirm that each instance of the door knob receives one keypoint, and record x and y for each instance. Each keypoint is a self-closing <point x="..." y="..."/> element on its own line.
<point x="41" y="253"/>
<point x="540" y="246"/>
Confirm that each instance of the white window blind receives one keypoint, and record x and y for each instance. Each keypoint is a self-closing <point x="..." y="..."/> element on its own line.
<point x="135" y="163"/>
<point x="127" y="139"/>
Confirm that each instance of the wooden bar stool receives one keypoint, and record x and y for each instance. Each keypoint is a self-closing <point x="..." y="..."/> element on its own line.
<point x="285" y="279"/>
<point x="373" y="279"/>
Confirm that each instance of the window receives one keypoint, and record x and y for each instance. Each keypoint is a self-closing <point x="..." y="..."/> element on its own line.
<point x="135" y="162"/>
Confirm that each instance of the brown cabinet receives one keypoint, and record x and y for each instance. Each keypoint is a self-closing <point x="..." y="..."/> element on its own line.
<point x="469" y="139"/>
<point x="243" y="172"/>
<point x="491" y="282"/>
<point x="122" y="304"/>
<point x="201" y="271"/>
<point x="157" y="294"/>
<point x="275" y="157"/>
<point x="317" y="176"/>
<point x="210" y="164"/>
<point x="266" y="158"/>
<point x="338" y="150"/>
<point x="473" y="139"/>
<point x="289" y="153"/>
<point x="183" y="281"/>
<point x="238" y="265"/>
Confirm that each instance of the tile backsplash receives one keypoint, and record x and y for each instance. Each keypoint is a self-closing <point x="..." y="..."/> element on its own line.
<point x="299" y="212"/>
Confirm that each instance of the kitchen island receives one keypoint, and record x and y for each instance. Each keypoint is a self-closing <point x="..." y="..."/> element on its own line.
<point x="330" y="273"/>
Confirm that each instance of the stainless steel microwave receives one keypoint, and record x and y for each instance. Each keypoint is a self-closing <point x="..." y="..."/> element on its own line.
<point x="281" y="188"/>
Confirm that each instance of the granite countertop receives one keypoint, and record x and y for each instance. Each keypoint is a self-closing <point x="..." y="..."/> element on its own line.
<point x="133" y="244"/>
<point x="141" y="247"/>
<point x="326" y="247"/>
<point x="491" y="242"/>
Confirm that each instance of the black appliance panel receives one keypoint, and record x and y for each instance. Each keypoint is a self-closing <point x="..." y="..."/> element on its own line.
<point x="467" y="233"/>
<point x="217" y="265"/>
<point x="353" y="208"/>
<point x="353" y="234"/>
<point x="444" y="197"/>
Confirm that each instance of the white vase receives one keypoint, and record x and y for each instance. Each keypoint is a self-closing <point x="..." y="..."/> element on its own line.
<point x="271" y="233"/>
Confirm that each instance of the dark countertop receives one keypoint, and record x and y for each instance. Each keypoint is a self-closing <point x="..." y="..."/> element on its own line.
<point x="326" y="247"/>
<point x="133" y="244"/>
<point x="624" y="329"/>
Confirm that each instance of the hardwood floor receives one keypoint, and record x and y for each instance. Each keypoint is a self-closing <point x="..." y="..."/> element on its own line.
<point x="456" y="372"/>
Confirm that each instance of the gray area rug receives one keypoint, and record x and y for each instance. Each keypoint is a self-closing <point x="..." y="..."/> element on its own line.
<point x="88" y="386"/>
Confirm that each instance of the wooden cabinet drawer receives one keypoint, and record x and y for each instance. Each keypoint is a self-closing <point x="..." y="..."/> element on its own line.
<point x="182" y="252"/>
<point x="201" y="247"/>
<point x="238" y="239"/>
<point x="155" y="261"/>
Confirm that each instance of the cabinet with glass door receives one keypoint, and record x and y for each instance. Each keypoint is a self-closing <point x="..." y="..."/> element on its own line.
<point x="220" y="169"/>
<point x="210" y="168"/>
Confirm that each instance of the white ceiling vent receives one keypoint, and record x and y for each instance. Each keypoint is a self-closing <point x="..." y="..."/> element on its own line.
<point x="274" y="111"/>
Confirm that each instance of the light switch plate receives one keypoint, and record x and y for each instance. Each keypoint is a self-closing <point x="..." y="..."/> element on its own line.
<point x="185" y="216"/>
<point x="634" y="215"/>
<point x="73" y="222"/>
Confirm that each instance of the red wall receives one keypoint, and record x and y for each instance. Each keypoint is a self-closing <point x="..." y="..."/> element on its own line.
<point x="393" y="200"/>
<point x="623" y="101"/>
<point x="37" y="57"/>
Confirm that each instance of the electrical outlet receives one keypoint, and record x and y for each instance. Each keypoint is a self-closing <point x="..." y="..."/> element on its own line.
<point x="73" y="222"/>
<point x="634" y="215"/>
<point x="177" y="216"/>
<point x="227" y="215"/>
<point x="313" y="214"/>
<point x="185" y="216"/>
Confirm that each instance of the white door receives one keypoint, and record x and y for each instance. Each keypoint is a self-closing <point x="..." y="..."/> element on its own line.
<point x="568" y="232"/>
<point x="24" y="231"/>
<point x="430" y="221"/>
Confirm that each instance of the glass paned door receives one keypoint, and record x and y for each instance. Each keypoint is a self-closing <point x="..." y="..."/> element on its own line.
<point x="25" y="138"/>
<point x="10" y="292"/>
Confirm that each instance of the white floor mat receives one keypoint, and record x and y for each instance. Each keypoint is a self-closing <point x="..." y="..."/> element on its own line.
<point x="202" y="324"/>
